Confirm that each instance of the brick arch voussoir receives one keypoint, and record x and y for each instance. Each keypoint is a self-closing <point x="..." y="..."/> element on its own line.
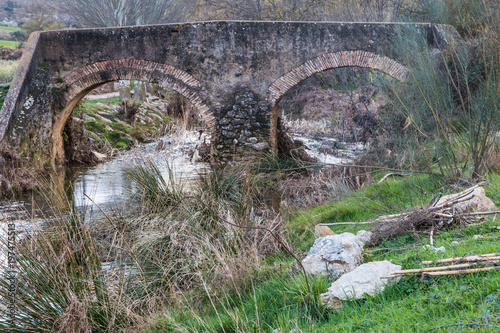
<point x="335" y="60"/>
<point x="82" y="80"/>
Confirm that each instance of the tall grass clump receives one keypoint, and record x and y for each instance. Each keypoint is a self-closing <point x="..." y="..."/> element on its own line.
<point x="449" y="107"/>
<point x="148" y="185"/>
<point x="186" y="251"/>
<point x="60" y="284"/>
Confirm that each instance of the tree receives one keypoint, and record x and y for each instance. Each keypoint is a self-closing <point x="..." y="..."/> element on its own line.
<point x="282" y="10"/>
<point x="113" y="13"/>
<point x="41" y="16"/>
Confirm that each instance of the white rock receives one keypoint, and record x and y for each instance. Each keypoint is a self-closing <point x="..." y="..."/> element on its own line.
<point x="476" y="237"/>
<point x="336" y="254"/>
<point x="435" y="249"/>
<point x="100" y="157"/>
<point x="364" y="280"/>
<point x="454" y="243"/>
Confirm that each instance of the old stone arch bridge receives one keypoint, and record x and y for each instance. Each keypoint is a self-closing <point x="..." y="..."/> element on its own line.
<point x="235" y="73"/>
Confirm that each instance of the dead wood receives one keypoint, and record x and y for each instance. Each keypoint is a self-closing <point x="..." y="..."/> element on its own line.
<point x="432" y="218"/>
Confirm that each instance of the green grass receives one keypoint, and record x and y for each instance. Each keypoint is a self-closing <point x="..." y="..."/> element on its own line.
<point x="9" y="28"/>
<point x="279" y="301"/>
<point x="9" y="43"/>
<point x="392" y="196"/>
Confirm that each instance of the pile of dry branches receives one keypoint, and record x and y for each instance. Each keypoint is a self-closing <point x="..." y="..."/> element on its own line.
<point x="451" y="211"/>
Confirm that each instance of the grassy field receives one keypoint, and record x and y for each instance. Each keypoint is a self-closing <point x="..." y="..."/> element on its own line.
<point x="10" y="29"/>
<point x="9" y="43"/>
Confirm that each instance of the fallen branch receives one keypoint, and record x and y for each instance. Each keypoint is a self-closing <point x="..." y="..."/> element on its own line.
<point x="459" y="272"/>
<point x="490" y="256"/>
<point x="438" y="215"/>
<point x="439" y="268"/>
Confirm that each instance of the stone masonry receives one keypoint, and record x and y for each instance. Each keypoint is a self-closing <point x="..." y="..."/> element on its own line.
<point x="235" y="73"/>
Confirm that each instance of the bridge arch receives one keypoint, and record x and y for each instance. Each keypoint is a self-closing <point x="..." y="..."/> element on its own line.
<point x="324" y="62"/>
<point x="80" y="82"/>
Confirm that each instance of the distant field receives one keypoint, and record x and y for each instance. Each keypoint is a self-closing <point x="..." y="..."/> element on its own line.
<point x="9" y="28"/>
<point x="9" y="43"/>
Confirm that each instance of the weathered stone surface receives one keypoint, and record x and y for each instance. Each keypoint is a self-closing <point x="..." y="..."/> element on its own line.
<point x="336" y="254"/>
<point x="479" y="203"/>
<point x="198" y="60"/>
<point x="364" y="280"/>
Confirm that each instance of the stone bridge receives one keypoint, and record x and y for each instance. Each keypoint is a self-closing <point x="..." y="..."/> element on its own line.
<point x="235" y="73"/>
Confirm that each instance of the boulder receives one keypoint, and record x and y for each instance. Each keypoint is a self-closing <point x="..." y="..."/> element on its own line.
<point x="364" y="280"/>
<point x="336" y="254"/>
<point x="478" y="202"/>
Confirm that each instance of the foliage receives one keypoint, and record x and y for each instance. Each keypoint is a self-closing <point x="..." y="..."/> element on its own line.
<point x="8" y="69"/>
<point x="42" y="16"/>
<point x="112" y="13"/>
<point x="450" y="107"/>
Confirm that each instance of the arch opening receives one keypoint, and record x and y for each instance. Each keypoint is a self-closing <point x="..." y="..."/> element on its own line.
<point x="81" y="82"/>
<point x="326" y="62"/>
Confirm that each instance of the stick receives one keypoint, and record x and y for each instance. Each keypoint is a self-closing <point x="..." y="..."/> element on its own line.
<point x="491" y="256"/>
<point x="463" y="271"/>
<point x="481" y="213"/>
<point x="460" y="194"/>
<point x="353" y="223"/>
<point x="432" y="269"/>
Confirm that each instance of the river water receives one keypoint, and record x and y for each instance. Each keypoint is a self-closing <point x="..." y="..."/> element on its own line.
<point x="102" y="187"/>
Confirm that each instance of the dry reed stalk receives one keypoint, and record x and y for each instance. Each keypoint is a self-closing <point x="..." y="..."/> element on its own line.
<point x="490" y="256"/>
<point x="438" y="268"/>
<point x="463" y="271"/>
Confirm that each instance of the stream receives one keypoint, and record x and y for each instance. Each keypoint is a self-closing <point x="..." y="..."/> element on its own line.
<point x="102" y="187"/>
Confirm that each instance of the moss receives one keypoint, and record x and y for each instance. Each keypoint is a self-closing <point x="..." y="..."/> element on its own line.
<point x="95" y="126"/>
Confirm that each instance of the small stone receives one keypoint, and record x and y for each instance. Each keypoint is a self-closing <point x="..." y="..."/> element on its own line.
<point x="336" y="254"/>
<point x="435" y="249"/>
<point x="252" y="140"/>
<point x="476" y="237"/>
<point x="100" y="157"/>
<point x="230" y="135"/>
<point x="322" y="231"/>
<point x="224" y="121"/>
<point x="454" y="243"/>
<point x="260" y="146"/>
<point x="230" y="114"/>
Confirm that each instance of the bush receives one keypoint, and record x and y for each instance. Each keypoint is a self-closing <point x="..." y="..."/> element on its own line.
<point x="450" y="106"/>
